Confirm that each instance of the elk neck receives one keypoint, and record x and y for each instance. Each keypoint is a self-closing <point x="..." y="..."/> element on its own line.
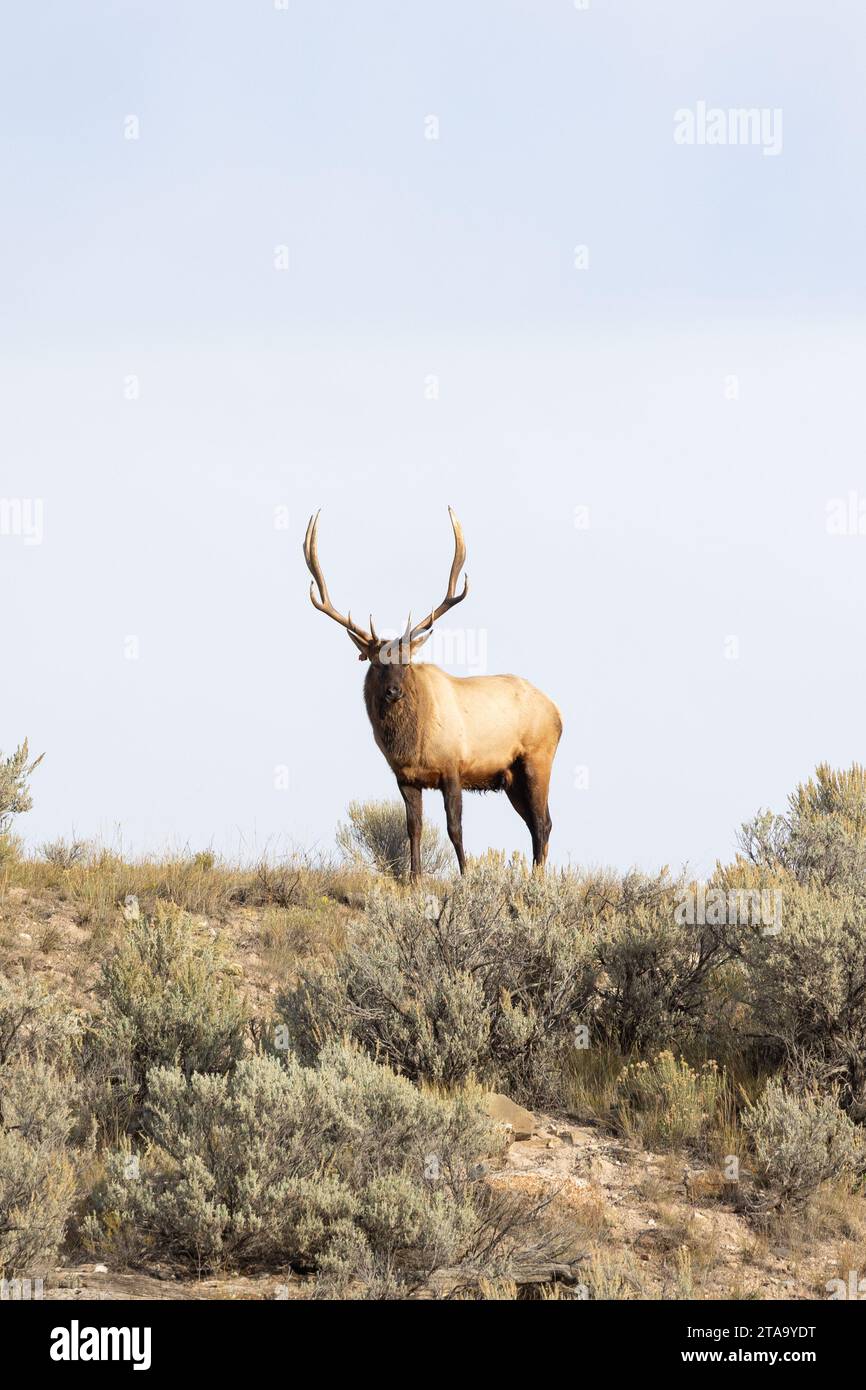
<point x="396" y="726"/>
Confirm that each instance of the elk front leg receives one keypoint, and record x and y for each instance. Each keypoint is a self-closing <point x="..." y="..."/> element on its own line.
<point x="452" y="795"/>
<point x="412" y="798"/>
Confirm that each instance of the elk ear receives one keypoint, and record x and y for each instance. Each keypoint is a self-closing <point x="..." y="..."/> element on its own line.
<point x="362" y="646"/>
<point x="418" y="642"/>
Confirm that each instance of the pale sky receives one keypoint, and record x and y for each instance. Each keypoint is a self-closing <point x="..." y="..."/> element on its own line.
<point x="645" y="440"/>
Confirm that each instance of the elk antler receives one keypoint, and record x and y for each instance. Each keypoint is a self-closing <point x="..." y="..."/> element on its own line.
<point x="359" y="636"/>
<point x="421" y="631"/>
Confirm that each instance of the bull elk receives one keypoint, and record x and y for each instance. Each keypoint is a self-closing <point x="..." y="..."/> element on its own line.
<point x="451" y="733"/>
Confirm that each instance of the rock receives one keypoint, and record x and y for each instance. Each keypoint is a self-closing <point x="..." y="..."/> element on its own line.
<point x="500" y="1108"/>
<point x="100" y="1269"/>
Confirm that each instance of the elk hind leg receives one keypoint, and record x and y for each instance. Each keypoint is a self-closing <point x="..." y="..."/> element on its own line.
<point x="528" y="796"/>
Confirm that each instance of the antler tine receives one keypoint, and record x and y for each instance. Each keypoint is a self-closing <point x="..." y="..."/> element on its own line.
<point x="459" y="554"/>
<point x="311" y="555"/>
<point x="451" y="597"/>
<point x="323" y="602"/>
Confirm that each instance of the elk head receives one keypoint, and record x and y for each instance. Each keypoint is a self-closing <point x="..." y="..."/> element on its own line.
<point x="388" y="656"/>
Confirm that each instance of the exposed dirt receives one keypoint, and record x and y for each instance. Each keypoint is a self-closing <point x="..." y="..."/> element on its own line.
<point x="640" y="1209"/>
<point x="87" y="1282"/>
<point x="630" y="1213"/>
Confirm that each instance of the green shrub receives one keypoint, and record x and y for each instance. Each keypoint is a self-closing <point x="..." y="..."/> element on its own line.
<point x="64" y="854"/>
<point x="489" y="981"/>
<point x="656" y="974"/>
<point x="37" y="1174"/>
<point x="15" y="771"/>
<point x="805" y="988"/>
<point x="822" y="839"/>
<point x="665" y="1102"/>
<point x="374" y="835"/>
<point x="165" y="1001"/>
<point x="496" y="978"/>
<point x="801" y="1141"/>
<point x="34" y="1020"/>
<point x="345" y="1168"/>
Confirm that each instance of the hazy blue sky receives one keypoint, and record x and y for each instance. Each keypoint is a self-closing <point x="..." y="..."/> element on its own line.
<point x="171" y="397"/>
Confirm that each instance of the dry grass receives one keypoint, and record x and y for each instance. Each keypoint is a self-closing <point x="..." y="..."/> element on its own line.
<point x="288" y="934"/>
<point x="838" y="1213"/>
<point x="96" y="887"/>
<point x="834" y="1220"/>
<point x="589" y="1213"/>
<point x="66" y="918"/>
<point x="612" y="1273"/>
<point x="589" y="1084"/>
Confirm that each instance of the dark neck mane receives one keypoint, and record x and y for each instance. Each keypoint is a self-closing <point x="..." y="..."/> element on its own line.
<point x="396" y="726"/>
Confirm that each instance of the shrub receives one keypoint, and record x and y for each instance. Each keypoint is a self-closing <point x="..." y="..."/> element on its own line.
<point x="375" y="835"/>
<point x="37" y="1178"/>
<point x="11" y="849"/>
<point x="276" y="882"/>
<point x="801" y="1141"/>
<point x="822" y="839"/>
<point x="34" y="1021"/>
<point x="345" y="1168"/>
<point x="489" y="981"/>
<point x="63" y="854"/>
<point x="166" y="1001"/>
<point x="805" y="988"/>
<point x="656" y="974"/>
<point x="665" y="1103"/>
<point x="15" y="771"/>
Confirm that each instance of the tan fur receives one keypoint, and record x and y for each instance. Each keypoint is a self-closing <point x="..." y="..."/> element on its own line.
<point x="466" y="729"/>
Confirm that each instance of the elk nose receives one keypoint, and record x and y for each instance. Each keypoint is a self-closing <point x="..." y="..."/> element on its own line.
<point x="393" y="692"/>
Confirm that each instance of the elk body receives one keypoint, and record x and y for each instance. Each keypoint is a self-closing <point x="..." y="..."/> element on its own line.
<point x="450" y="733"/>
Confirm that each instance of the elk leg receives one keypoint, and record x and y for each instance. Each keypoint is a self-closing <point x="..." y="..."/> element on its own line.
<point x="412" y="798"/>
<point x="528" y="796"/>
<point x="538" y="785"/>
<point x="452" y="795"/>
<point x="516" y="794"/>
